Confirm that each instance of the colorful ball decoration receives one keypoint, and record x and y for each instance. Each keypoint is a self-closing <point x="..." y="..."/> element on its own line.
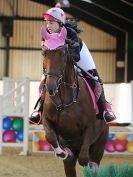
<point x="119" y="142"/>
<point x="40" y="143"/>
<point x="130" y="137"/>
<point x="41" y="136"/>
<point x="12" y="129"/>
<point x="130" y="147"/>
<point x="120" y="145"/>
<point x="7" y="123"/>
<point x="17" y="124"/>
<point x="109" y="147"/>
<point x="44" y="146"/>
<point x="111" y="136"/>
<point x="9" y="136"/>
<point x="121" y="136"/>
<point x="19" y="135"/>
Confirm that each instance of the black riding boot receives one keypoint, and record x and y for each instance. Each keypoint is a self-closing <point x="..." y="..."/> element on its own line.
<point x="35" y="117"/>
<point x="105" y="110"/>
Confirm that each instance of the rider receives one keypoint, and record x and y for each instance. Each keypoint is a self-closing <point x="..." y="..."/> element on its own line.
<point x="55" y="19"/>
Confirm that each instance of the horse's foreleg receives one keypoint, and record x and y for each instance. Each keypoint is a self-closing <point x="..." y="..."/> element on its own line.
<point x="50" y="133"/>
<point x="51" y="137"/>
<point x="84" y="151"/>
<point x="70" y="168"/>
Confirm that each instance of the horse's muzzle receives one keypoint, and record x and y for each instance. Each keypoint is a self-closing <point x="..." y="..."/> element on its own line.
<point x="53" y="82"/>
<point x="51" y="88"/>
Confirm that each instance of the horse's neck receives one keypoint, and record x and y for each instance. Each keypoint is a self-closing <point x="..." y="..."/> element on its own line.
<point x="69" y="82"/>
<point x="69" y="72"/>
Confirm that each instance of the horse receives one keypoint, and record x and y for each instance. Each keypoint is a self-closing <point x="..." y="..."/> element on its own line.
<point x="69" y="117"/>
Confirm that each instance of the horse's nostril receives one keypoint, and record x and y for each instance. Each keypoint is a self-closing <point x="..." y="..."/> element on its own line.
<point x="51" y="89"/>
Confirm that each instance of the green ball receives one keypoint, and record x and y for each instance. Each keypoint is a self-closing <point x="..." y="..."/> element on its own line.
<point x="17" y="124"/>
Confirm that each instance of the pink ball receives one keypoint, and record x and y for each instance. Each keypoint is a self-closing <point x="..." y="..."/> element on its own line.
<point x="44" y="146"/>
<point x="9" y="136"/>
<point x="120" y="145"/>
<point x="109" y="147"/>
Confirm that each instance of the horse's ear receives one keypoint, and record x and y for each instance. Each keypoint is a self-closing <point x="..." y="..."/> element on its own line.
<point x="44" y="33"/>
<point x="63" y="33"/>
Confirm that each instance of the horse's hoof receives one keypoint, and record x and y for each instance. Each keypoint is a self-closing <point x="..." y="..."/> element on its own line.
<point x="93" y="165"/>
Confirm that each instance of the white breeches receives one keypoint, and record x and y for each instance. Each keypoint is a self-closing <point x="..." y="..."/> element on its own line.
<point x="86" y="61"/>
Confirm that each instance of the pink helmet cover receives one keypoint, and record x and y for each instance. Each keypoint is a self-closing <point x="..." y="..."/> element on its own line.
<point x="54" y="40"/>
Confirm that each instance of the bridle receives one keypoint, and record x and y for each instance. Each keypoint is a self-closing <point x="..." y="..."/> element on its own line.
<point x="60" y="80"/>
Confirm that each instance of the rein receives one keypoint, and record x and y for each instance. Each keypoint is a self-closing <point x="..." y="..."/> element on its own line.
<point x="75" y="91"/>
<point x="87" y="73"/>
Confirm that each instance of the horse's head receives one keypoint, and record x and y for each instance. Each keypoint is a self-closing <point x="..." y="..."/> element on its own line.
<point x="55" y="59"/>
<point x="54" y="64"/>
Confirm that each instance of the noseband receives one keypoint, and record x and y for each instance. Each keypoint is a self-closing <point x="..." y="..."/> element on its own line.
<point x="59" y="80"/>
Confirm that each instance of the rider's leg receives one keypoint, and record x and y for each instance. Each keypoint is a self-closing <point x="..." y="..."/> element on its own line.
<point x="104" y="107"/>
<point x="36" y="118"/>
<point x="86" y="62"/>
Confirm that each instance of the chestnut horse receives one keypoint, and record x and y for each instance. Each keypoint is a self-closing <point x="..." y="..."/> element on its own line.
<point x="69" y="117"/>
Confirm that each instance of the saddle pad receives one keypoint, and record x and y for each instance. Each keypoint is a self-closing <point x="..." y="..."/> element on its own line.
<point x="92" y="96"/>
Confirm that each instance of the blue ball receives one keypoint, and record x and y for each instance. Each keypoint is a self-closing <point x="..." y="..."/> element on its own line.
<point x="20" y="135"/>
<point x="130" y="137"/>
<point x="111" y="136"/>
<point x="7" y="123"/>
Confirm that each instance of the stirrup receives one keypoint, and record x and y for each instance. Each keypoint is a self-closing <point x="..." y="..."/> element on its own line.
<point x="32" y="122"/>
<point x="109" y="119"/>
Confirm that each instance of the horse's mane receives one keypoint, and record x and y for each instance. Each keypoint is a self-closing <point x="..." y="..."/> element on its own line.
<point x="70" y="53"/>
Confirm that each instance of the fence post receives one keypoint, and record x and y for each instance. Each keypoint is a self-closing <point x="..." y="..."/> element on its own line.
<point x="14" y="103"/>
